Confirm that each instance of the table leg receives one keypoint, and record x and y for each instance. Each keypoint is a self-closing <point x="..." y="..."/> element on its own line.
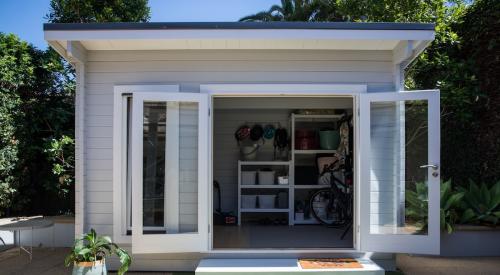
<point x="31" y="247"/>
<point x="18" y="240"/>
<point x="54" y="237"/>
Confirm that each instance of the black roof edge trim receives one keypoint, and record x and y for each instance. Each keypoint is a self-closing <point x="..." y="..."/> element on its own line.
<point x="236" y="25"/>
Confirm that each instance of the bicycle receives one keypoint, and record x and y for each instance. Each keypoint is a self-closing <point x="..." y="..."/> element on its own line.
<point x="333" y="206"/>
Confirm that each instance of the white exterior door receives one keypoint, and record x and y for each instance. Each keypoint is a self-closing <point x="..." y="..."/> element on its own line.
<point x="400" y="177"/>
<point x="169" y="172"/>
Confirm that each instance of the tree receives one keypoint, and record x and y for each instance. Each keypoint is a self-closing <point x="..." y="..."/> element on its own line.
<point x="297" y="10"/>
<point x="87" y="11"/>
<point x="479" y="30"/>
<point x="37" y="112"/>
<point x="15" y="71"/>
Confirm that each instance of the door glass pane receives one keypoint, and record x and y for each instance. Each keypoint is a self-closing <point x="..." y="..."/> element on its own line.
<point x="398" y="186"/>
<point x="154" y="164"/>
<point x="170" y="167"/>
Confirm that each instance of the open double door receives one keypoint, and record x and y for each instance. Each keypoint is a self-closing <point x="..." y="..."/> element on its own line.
<point x="398" y="172"/>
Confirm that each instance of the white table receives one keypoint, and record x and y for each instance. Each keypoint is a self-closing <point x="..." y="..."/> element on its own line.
<point x="26" y="223"/>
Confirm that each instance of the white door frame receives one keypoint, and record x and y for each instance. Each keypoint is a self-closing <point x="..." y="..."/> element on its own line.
<point x="297" y="90"/>
<point x="397" y="242"/>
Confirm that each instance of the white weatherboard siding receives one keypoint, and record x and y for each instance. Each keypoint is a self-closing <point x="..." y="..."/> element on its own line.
<point x="188" y="167"/>
<point x="189" y="69"/>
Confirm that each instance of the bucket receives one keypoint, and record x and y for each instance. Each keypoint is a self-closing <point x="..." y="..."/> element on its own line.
<point x="89" y="268"/>
<point x="249" y="152"/>
<point x="329" y="139"/>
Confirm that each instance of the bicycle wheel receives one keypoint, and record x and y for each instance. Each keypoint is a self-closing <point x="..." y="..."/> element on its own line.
<point x="326" y="209"/>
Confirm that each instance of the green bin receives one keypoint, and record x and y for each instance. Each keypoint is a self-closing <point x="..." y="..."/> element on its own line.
<point x="329" y="139"/>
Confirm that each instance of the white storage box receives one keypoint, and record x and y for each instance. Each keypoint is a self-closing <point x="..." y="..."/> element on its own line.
<point x="283" y="180"/>
<point x="266" y="177"/>
<point x="248" y="201"/>
<point x="248" y="177"/>
<point x="267" y="201"/>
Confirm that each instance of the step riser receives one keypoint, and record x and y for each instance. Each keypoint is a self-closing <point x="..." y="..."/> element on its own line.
<point x="277" y="266"/>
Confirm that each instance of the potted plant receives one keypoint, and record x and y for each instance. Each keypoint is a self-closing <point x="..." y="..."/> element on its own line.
<point x="89" y="253"/>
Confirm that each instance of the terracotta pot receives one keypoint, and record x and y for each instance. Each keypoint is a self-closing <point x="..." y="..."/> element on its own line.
<point x="90" y="268"/>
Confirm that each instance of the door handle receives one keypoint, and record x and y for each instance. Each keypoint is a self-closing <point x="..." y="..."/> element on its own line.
<point x="433" y="166"/>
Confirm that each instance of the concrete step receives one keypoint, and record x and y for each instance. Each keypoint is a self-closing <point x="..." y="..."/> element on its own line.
<point x="277" y="266"/>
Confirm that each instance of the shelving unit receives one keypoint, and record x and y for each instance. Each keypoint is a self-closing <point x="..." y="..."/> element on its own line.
<point x="286" y="187"/>
<point x="305" y="153"/>
<point x="291" y="187"/>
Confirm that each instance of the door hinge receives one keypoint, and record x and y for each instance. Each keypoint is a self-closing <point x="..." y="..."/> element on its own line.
<point x="208" y="111"/>
<point x="209" y="228"/>
<point x="358" y="111"/>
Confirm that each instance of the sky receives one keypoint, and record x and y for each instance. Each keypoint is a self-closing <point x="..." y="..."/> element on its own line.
<point x="25" y="18"/>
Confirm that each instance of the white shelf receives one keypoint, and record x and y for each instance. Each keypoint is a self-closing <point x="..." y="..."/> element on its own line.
<point x="265" y="210"/>
<point x="302" y="117"/>
<point x="258" y="186"/>
<point x="315" y="186"/>
<point x="319" y="151"/>
<point x="264" y="162"/>
<point x="308" y="221"/>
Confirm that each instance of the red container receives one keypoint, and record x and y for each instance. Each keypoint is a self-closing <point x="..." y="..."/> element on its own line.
<point x="305" y="139"/>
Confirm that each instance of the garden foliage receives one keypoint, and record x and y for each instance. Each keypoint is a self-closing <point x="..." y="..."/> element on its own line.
<point x="37" y="91"/>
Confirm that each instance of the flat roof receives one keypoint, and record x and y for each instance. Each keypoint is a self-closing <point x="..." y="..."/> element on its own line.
<point x="237" y="25"/>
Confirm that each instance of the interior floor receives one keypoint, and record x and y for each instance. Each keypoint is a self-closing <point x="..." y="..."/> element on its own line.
<point x="280" y="236"/>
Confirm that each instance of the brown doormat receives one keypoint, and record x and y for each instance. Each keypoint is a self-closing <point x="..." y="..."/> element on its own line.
<point x="329" y="263"/>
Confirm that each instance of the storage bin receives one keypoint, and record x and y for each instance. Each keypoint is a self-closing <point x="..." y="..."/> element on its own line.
<point x="267" y="201"/>
<point x="266" y="177"/>
<point x="283" y="180"/>
<point x="248" y="177"/>
<point x="248" y="201"/>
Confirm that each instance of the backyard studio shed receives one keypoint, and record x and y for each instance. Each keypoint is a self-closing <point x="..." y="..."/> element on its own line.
<point x="206" y="140"/>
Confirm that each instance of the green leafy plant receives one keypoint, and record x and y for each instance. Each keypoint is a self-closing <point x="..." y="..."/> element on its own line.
<point x="90" y="248"/>
<point x="481" y="204"/>
<point x="417" y="205"/>
<point x="61" y="153"/>
<point x="450" y="202"/>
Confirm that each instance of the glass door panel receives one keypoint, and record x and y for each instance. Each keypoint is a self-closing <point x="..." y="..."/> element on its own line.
<point x="400" y="172"/>
<point x="169" y="148"/>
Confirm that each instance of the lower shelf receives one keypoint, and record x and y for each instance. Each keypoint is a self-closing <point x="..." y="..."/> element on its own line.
<point x="265" y="210"/>
<point x="308" y="221"/>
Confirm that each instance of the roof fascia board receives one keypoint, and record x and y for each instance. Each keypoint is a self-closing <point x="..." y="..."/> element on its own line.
<point x="242" y="34"/>
<point x="237" y="25"/>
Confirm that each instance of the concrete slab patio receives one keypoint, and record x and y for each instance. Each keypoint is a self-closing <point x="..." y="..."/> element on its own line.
<point x="50" y="261"/>
<point x="428" y="265"/>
